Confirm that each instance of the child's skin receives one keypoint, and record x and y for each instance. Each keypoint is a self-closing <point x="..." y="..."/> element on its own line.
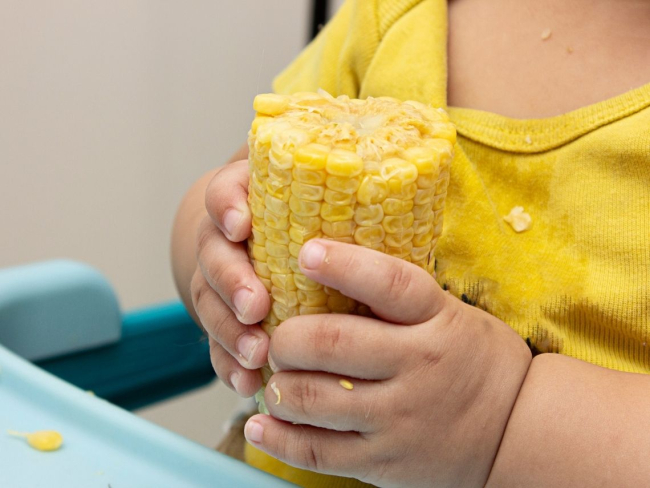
<point x="444" y="393"/>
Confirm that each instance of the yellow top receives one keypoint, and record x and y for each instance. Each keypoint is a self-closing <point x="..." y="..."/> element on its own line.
<point x="577" y="282"/>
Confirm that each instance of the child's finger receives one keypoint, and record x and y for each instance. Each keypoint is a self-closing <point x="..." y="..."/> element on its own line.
<point x="323" y="400"/>
<point x="228" y="271"/>
<point x="244" y="381"/>
<point x="395" y="290"/>
<point x="226" y="201"/>
<point x="342" y="344"/>
<point x="311" y="448"/>
<point x="247" y="343"/>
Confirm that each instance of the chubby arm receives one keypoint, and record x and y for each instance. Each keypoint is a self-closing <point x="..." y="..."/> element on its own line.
<point x="191" y="212"/>
<point x="576" y="424"/>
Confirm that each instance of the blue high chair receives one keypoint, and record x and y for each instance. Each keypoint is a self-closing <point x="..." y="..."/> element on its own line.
<point x="72" y="362"/>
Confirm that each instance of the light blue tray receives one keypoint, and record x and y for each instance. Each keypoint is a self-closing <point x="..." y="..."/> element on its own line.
<point x="103" y="444"/>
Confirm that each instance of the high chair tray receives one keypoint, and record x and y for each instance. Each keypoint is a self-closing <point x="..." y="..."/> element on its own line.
<point x="104" y="446"/>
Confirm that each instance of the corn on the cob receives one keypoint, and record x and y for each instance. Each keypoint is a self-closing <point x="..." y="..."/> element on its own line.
<point x="369" y="172"/>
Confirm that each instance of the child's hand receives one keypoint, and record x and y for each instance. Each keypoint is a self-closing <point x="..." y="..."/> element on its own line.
<point x="226" y="293"/>
<point x="431" y="396"/>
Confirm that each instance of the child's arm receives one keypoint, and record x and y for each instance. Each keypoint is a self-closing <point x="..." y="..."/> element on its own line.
<point x="576" y="424"/>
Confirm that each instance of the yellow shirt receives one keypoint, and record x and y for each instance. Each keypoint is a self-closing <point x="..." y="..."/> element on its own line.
<point x="578" y="281"/>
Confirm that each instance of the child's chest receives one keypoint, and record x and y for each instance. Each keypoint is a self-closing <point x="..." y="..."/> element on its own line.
<point x="540" y="58"/>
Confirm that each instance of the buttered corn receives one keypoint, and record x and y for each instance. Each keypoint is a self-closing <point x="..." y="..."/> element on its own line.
<point x="368" y="172"/>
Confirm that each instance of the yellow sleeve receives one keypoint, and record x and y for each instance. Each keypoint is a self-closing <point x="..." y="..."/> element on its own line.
<point x="337" y="59"/>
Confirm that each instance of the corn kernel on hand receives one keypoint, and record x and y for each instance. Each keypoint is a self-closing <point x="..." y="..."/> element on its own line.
<point x="227" y="295"/>
<point x="434" y="379"/>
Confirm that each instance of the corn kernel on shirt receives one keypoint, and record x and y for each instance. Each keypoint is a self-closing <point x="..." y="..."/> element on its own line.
<point x="577" y="281"/>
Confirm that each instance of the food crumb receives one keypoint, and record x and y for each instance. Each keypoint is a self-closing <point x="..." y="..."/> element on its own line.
<point x="546" y="34"/>
<point x="276" y="390"/>
<point x="518" y="219"/>
<point x="528" y="139"/>
<point x="346" y="384"/>
<point x="42" y="440"/>
<point x="569" y="49"/>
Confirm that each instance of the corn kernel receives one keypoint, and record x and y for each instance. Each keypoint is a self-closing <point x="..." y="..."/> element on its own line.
<point x="261" y="269"/>
<point x="305" y="310"/>
<point x="259" y="121"/>
<point x="423" y="239"/>
<point x="399" y="170"/>
<point x="312" y="298"/>
<point x="421" y="211"/>
<point x="343" y="228"/>
<point x="258" y="223"/>
<point x="276" y="250"/>
<point x="372" y="189"/>
<point x="426" y="181"/>
<point x="275" y="235"/>
<point x="311" y="157"/>
<point x="284" y="281"/>
<point x="283" y="177"/>
<point x="259" y="253"/>
<point x="340" y="304"/>
<point x="267" y="284"/>
<point x="397" y="223"/>
<point x="277" y="206"/>
<point x="395" y="206"/>
<point x="305" y="223"/>
<point x="403" y="192"/>
<point x="304" y="208"/>
<point x="284" y="312"/>
<point x="274" y="188"/>
<point x="280" y="161"/>
<point x="420" y="253"/>
<point x="301" y="236"/>
<point x="306" y="284"/>
<point x="270" y="103"/>
<point x="399" y="239"/>
<point x="294" y="249"/>
<point x="313" y="193"/>
<point x="334" y="213"/>
<point x="438" y="202"/>
<point x="294" y="265"/>
<point x="286" y="298"/>
<point x="337" y="198"/>
<point x="278" y="265"/>
<point x="368" y="215"/>
<point x="369" y="235"/>
<point x="308" y="176"/>
<point x="344" y="163"/>
<point x="345" y="240"/>
<point x="425" y="159"/>
<point x="342" y="184"/>
<point x="276" y="221"/>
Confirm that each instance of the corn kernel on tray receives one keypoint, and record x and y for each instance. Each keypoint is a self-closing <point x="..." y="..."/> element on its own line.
<point x="369" y="172"/>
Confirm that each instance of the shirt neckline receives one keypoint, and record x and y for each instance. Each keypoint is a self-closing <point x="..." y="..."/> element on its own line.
<point x="539" y="135"/>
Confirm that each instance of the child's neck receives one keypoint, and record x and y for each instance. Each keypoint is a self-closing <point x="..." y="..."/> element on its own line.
<point x="499" y="62"/>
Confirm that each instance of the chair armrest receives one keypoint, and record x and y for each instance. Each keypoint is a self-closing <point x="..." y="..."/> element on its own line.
<point x="162" y="353"/>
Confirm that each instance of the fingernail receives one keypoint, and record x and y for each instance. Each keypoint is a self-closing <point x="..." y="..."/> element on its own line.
<point x="241" y="300"/>
<point x="272" y="365"/>
<point x="312" y="255"/>
<point x="234" y="380"/>
<point x="230" y="220"/>
<point x="246" y="346"/>
<point x="254" y="431"/>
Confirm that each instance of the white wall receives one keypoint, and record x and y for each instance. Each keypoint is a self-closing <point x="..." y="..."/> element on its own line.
<point x="110" y="109"/>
